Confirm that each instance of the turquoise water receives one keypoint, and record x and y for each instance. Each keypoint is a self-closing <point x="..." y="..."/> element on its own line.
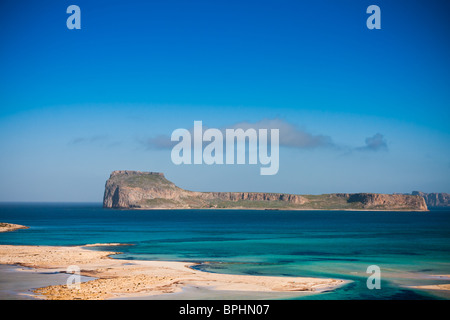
<point x="411" y="248"/>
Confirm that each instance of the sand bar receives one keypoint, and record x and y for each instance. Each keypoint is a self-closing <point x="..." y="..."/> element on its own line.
<point x="6" y="227"/>
<point x="117" y="278"/>
<point x="444" y="287"/>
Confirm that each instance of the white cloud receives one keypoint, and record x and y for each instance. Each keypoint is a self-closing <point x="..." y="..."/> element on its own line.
<point x="290" y="135"/>
<point x="375" y="143"/>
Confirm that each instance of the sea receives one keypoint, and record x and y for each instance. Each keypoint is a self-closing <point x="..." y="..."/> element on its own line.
<point x="409" y="248"/>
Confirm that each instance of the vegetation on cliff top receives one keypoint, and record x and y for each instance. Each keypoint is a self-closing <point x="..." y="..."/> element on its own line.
<point x="149" y="190"/>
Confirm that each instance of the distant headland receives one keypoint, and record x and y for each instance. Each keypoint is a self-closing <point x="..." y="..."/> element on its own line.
<point x="151" y="190"/>
<point x="434" y="200"/>
<point x="7" y="227"/>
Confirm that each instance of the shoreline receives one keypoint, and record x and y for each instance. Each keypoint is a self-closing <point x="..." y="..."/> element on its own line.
<point x="8" y="227"/>
<point x="117" y="278"/>
<point x="18" y="282"/>
<point x="269" y="209"/>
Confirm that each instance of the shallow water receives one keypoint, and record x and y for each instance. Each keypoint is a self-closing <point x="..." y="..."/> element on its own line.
<point x="18" y="283"/>
<point x="206" y="293"/>
<point x="409" y="247"/>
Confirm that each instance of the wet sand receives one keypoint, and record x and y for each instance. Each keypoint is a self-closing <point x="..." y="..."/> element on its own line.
<point x="433" y="287"/>
<point x="18" y="283"/>
<point x="189" y="292"/>
<point x="115" y="279"/>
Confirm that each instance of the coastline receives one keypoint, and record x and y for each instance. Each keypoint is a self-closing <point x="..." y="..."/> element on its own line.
<point x="267" y="209"/>
<point x="8" y="227"/>
<point x="116" y="278"/>
<point x="18" y="282"/>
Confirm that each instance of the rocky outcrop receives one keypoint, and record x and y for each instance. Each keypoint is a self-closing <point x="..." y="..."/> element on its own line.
<point x="434" y="199"/>
<point x="255" y="196"/>
<point x="393" y="201"/>
<point x="151" y="190"/>
<point x="7" y="227"/>
<point x="135" y="189"/>
<point x="132" y="189"/>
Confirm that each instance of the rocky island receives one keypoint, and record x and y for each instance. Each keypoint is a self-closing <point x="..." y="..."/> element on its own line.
<point x="7" y="227"/>
<point x="151" y="190"/>
<point x="434" y="200"/>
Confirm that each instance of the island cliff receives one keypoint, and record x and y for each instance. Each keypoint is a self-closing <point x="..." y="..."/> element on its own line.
<point x="151" y="190"/>
<point x="437" y="200"/>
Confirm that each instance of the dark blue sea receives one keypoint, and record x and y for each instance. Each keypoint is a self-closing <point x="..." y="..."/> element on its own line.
<point x="411" y="248"/>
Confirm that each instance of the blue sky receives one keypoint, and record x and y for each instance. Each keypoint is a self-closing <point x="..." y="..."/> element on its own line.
<point x="77" y="104"/>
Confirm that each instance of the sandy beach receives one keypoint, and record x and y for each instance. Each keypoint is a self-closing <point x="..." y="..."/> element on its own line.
<point x="7" y="227"/>
<point x="115" y="278"/>
<point x="445" y="287"/>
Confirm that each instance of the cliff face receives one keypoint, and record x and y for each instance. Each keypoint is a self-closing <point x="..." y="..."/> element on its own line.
<point x="151" y="190"/>
<point x="255" y="196"/>
<point x="393" y="201"/>
<point x="132" y="189"/>
<point x="434" y="199"/>
<point x="135" y="189"/>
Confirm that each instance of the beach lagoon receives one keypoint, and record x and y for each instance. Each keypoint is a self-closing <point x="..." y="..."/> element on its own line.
<point x="412" y="249"/>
